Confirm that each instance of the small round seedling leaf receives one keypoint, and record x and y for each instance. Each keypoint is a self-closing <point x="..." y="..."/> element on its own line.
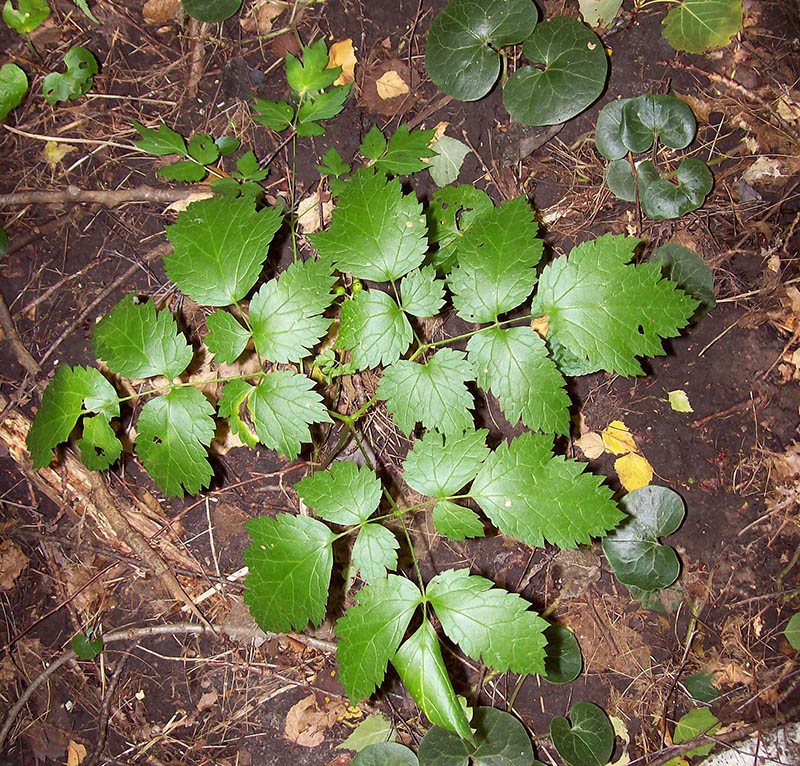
<point x="86" y="648"/>
<point x="203" y="148"/>
<point x="461" y="54"/>
<point x="663" y="199"/>
<point x="563" y="660"/>
<point x="699" y="25"/>
<point x="211" y="10"/>
<point x="13" y="87"/>
<point x="690" y="272"/>
<point x="633" y="549"/>
<point x="588" y="740"/>
<point x="385" y="754"/>
<point x="646" y="117"/>
<point x="619" y="178"/>
<point x="607" y="135"/>
<point x="575" y="68"/>
<point x="792" y="632"/>
<point x="81" y="69"/>
<point x="499" y="739"/>
<point x="227" y="144"/>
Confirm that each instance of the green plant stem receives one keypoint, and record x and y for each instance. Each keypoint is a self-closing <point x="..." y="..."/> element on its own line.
<point x="410" y="544"/>
<point x="434" y="344"/>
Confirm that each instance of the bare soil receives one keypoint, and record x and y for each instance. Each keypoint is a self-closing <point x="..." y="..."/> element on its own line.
<point x="183" y="699"/>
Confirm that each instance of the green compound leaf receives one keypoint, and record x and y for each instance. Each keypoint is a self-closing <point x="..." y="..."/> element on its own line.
<point x="514" y="364"/>
<point x="662" y="199"/>
<point x="211" y="10"/>
<point x="63" y="402"/>
<point x="448" y="157"/>
<point x="420" y="665"/>
<point x="282" y="406"/>
<point x="13" y="87"/>
<point x="563" y="660"/>
<point x="699" y="721"/>
<point x="173" y="432"/>
<point x="99" y="446"/>
<point x="497" y="259"/>
<point x="184" y="171"/>
<point x="533" y="495"/>
<point x="374" y="552"/>
<point x="451" y="212"/>
<point x="422" y="293"/>
<point x="376" y="232"/>
<point x="226" y="338"/>
<point x="323" y="106"/>
<point x="648" y="117"/>
<point x="574" y="74"/>
<point x="432" y="393"/>
<point x="500" y="740"/>
<point x="28" y="14"/>
<point x="312" y="73"/>
<point x="608" y="131"/>
<point x="276" y="115"/>
<point x="607" y="311"/>
<point x="385" y="754"/>
<point x="589" y="741"/>
<point x="290" y="559"/>
<point x="81" y="68"/>
<point x="488" y="623"/>
<point x="286" y="313"/>
<point x="461" y="54"/>
<point x="344" y="494"/>
<point x="792" y="631"/>
<point x="333" y="165"/>
<point x="374" y="329"/>
<point x="371" y="631"/>
<point x="690" y="272"/>
<point x="456" y="522"/>
<point x="220" y="246"/>
<point x="85" y="647"/>
<point x="202" y="149"/>
<point x="439" y="466"/>
<point x="137" y="341"/>
<point x="161" y="141"/>
<point x="633" y="549"/>
<point x="248" y="168"/>
<point x="699" y="25"/>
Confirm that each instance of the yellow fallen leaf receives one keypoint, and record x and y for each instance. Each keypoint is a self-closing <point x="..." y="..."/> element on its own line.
<point x="591" y="444"/>
<point x="438" y="131"/>
<point x="679" y="401"/>
<point x="343" y="54"/>
<point x="391" y="85"/>
<point x="75" y="753"/>
<point x="618" y="438"/>
<point x="54" y="152"/>
<point x="634" y="471"/>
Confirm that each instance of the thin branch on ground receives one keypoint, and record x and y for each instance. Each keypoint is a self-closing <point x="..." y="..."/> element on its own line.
<point x="110" y="197"/>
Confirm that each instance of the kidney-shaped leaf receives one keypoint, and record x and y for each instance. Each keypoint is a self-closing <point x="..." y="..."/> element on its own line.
<point x="619" y="178"/>
<point x="648" y="116"/>
<point x="461" y="54"/>
<point x="499" y="739"/>
<point x="575" y="67"/>
<point x="661" y="199"/>
<point x="211" y="10"/>
<point x="385" y="754"/>
<point x="697" y="25"/>
<point x="633" y="549"/>
<point x="588" y="741"/>
<point x="563" y="660"/>
<point x="607" y="134"/>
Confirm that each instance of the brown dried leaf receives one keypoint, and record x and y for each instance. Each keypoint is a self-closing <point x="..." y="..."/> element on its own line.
<point x="306" y="723"/>
<point x="344" y="55"/>
<point x="76" y="753"/>
<point x="12" y="562"/>
<point x="786" y="467"/>
<point x="162" y="11"/>
<point x="391" y="85"/>
<point x="258" y="19"/>
<point x="591" y="444"/>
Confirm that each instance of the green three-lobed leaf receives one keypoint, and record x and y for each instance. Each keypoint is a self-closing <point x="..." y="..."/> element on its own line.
<point x="374" y="552"/>
<point x="344" y="494"/>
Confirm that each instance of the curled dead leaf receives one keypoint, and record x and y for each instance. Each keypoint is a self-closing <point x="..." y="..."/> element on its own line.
<point x="344" y="55"/>
<point x="259" y="17"/>
<point x="306" y="722"/>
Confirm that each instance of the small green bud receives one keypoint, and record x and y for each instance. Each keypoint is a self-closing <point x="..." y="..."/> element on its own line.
<point x="356" y="286"/>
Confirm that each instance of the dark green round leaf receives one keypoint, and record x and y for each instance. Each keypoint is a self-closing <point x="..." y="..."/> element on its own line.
<point x="698" y="25"/>
<point x="227" y="144"/>
<point x="203" y="148"/>
<point x="701" y="687"/>
<point x="461" y="54"/>
<point x="607" y="136"/>
<point x="663" y="199"/>
<point x="211" y="10"/>
<point x="13" y="87"/>
<point x="563" y="660"/>
<point x="385" y="754"/>
<point x="86" y="648"/>
<point x="619" y="178"/>
<point x="648" y="116"/>
<point x="499" y="739"/>
<point x="633" y="549"/>
<point x="575" y="68"/>
<point x="588" y="741"/>
<point x="690" y="272"/>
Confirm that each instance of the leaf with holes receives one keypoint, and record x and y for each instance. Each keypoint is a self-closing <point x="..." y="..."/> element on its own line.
<point x="81" y="69"/>
<point x="461" y="55"/>
<point x="99" y="446"/>
<point x="28" y="14"/>
<point x="574" y="74"/>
